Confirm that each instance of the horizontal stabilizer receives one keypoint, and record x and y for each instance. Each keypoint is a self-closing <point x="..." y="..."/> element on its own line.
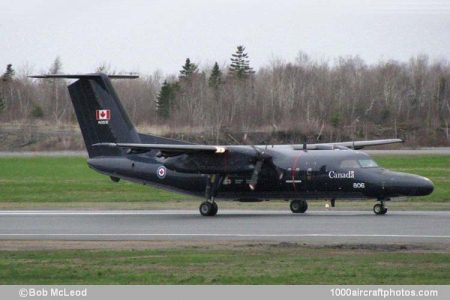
<point x="87" y="76"/>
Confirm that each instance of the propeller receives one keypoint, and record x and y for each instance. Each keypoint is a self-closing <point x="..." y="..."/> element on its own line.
<point x="260" y="158"/>
<point x="258" y="166"/>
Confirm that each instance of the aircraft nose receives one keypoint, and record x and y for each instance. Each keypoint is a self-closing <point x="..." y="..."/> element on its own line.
<point x="408" y="184"/>
<point x="424" y="187"/>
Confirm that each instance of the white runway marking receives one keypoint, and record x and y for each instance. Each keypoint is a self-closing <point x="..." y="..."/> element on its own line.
<point x="139" y="213"/>
<point x="92" y="213"/>
<point x="195" y="212"/>
<point x="223" y="235"/>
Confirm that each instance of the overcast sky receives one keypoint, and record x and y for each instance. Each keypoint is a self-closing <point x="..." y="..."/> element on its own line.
<point x="146" y="36"/>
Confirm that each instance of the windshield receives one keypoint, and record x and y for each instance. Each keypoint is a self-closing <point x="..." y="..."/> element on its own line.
<point x="356" y="164"/>
<point x="367" y="163"/>
<point x="349" y="164"/>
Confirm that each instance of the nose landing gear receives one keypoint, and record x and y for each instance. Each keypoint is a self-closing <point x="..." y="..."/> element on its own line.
<point x="379" y="208"/>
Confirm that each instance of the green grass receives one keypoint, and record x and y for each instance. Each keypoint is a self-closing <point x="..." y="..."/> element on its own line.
<point x="68" y="180"/>
<point x="257" y="264"/>
<point x="437" y="168"/>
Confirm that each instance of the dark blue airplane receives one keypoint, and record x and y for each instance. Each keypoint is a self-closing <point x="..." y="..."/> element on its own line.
<point x="245" y="173"/>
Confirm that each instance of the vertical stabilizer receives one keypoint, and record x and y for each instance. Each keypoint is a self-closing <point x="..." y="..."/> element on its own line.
<point x="100" y="113"/>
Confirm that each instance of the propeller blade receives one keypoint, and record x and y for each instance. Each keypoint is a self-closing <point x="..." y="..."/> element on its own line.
<point x="258" y="165"/>
<point x="255" y="175"/>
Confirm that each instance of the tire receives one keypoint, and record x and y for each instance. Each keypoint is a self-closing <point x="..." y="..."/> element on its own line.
<point x="215" y="209"/>
<point x="304" y="206"/>
<point x="298" y="206"/>
<point x="205" y="209"/>
<point x="379" y="209"/>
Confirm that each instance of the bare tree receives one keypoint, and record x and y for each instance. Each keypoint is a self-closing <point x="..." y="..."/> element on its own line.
<point x="285" y="101"/>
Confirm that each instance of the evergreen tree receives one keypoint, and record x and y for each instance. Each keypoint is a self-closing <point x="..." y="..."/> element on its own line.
<point x="56" y="67"/>
<point x="216" y="76"/>
<point x="2" y="104"/>
<point x="188" y="69"/>
<point x="36" y="112"/>
<point x="5" y="88"/>
<point x="9" y="73"/>
<point x="240" y="64"/>
<point x="165" y="100"/>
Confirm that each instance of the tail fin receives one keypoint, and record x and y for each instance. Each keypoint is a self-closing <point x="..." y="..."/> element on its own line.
<point x="100" y="114"/>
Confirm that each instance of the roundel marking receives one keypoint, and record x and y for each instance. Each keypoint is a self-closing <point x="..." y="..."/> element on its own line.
<point x="161" y="172"/>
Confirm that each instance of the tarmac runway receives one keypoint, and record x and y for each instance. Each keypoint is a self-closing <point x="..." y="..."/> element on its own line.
<point x="314" y="226"/>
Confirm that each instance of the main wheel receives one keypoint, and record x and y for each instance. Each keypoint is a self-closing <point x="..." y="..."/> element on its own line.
<point x="379" y="209"/>
<point x="215" y="209"/>
<point x="298" y="206"/>
<point x="208" y="209"/>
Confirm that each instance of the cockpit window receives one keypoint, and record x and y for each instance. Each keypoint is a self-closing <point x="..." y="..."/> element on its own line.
<point x="368" y="163"/>
<point x="356" y="164"/>
<point x="349" y="164"/>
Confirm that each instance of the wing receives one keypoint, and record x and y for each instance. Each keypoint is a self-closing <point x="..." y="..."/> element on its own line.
<point x="352" y="145"/>
<point x="204" y="159"/>
<point x="166" y="149"/>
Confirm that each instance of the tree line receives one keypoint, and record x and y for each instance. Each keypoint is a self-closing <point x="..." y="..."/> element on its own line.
<point x="289" y="102"/>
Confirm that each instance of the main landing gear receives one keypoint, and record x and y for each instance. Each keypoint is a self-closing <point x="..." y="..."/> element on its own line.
<point x="298" y="206"/>
<point x="379" y="208"/>
<point x="209" y="207"/>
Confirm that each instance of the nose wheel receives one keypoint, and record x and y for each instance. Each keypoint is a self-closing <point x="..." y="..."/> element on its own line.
<point x="298" y="206"/>
<point x="380" y="209"/>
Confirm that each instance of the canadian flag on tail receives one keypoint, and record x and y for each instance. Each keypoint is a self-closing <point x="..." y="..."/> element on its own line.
<point x="103" y="114"/>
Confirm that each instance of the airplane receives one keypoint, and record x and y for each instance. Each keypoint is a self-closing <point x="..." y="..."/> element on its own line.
<point x="247" y="173"/>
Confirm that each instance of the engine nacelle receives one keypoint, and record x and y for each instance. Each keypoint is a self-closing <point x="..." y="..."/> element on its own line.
<point x="207" y="163"/>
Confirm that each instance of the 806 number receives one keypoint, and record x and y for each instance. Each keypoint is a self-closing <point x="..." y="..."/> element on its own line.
<point x="359" y="185"/>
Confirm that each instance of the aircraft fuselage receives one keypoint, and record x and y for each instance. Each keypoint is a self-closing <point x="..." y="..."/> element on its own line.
<point x="290" y="174"/>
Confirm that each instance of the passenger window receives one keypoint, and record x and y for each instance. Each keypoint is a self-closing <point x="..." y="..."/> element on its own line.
<point x="349" y="164"/>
